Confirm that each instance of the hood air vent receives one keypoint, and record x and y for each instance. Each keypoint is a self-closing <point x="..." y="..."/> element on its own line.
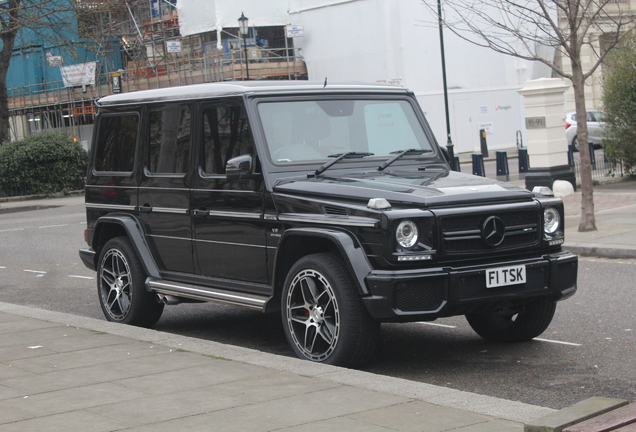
<point x="335" y="211"/>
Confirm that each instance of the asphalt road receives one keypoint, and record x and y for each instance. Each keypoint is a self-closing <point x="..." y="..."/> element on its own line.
<point x="588" y="350"/>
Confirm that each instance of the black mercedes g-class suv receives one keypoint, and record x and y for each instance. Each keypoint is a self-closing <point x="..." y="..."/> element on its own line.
<point x="333" y="205"/>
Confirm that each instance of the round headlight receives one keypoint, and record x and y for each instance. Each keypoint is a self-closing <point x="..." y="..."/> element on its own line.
<point x="551" y="220"/>
<point x="406" y="234"/>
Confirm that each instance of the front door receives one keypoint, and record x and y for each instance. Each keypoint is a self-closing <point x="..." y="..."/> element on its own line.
<point x="229" y="232"/>
<point x="164" y="196"/>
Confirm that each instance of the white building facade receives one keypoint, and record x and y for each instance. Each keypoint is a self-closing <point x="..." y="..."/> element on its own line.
<point x="392" y="41"/>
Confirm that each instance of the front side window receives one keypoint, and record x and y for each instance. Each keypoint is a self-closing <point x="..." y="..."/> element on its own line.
<point x="314" y="130"/>
<point x="116" y="143"/>
<point x="226" y="134"/>
<point x="169" y="141"/>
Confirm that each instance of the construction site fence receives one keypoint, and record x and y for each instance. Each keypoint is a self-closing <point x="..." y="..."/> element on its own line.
<point x="171" y="71"/>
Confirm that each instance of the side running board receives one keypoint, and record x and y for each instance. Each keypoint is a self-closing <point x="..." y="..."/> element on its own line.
<point x="250" y="301"/>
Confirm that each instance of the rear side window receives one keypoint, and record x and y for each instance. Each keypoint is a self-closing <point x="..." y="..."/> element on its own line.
<point x="169" y="142"/>
<point x="116" y="143"/>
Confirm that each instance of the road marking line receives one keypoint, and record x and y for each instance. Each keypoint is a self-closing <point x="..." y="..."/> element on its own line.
<point x="435" y="324"/>
<point x="12" y="230"/>
<point x="2" y="267"/>
<point x="35" y="271"/>
<point x="81" y="277"/>
<point x="556" y="342"/>
<point x="53" y="226"/>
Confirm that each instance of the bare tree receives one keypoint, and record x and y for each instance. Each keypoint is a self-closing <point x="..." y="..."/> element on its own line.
<point x="43" y="20"/>
<point x="528" y="28"/>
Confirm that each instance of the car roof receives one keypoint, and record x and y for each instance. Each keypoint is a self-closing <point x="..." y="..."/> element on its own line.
<point x="236" y="88"/>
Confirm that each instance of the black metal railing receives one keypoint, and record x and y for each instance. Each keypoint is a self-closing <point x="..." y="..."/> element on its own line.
<point x="603" y="167"/>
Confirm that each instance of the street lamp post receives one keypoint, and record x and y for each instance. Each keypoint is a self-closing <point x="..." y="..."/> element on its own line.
<point x="244" y="28"/>
<point x="449" y="141"/>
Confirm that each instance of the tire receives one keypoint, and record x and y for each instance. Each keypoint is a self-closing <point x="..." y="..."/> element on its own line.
<point x="324" y="318"/>
<point x="518" y="325"/>
<point x="121" y="286"/>
<point x="575" y="143"/>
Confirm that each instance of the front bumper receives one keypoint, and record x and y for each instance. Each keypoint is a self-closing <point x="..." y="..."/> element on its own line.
<point x="427" y="294"/>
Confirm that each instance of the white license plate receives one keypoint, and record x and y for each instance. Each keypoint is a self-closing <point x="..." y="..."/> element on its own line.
<point x="504" y="276"/>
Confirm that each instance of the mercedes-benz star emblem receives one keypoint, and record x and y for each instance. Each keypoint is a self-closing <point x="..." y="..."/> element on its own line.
<point x="493" y="231"/>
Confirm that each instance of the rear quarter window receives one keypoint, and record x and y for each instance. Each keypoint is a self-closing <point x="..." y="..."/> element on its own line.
<point x="116" y="143"/>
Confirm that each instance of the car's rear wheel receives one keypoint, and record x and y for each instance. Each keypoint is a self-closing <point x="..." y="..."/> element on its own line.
<point x="514" y="324"/>
<point x="575" y="143"/>
<point x="121" y="286"/>
<point x="323" y="316"/>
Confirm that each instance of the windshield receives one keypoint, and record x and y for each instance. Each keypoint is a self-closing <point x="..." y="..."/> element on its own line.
<point x="315" y="130"/>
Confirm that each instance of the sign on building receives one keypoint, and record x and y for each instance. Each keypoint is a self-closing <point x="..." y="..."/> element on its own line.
<point x="294" y="31"/>
<point x="79" y="74"/>
<point x="54" y="61"/>
<point x="173" y="46"/>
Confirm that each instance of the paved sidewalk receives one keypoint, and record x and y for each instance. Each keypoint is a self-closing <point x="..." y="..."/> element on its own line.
<point x="61" y="372"/>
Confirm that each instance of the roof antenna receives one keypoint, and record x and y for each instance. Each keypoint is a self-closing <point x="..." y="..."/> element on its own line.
<point x="325" y="85"/>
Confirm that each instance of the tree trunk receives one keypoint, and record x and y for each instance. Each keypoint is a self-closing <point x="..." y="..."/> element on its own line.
<point x="5" y="59"/>
<point x="588" y="221"/>
<point x="7" y="36"/>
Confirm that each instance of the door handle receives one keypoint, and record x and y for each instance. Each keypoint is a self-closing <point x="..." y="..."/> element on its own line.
<point x="146" y="208"/>
<point x="200" y="212"/>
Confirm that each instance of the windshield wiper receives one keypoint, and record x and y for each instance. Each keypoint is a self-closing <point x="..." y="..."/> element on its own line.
<point x="339" y="157"/>
<point x="401" y="153"/>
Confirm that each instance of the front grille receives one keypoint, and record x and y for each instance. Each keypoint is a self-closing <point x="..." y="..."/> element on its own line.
<point x="463" y="234"/>
<point x="420" y="295"/>
<point x="474" y="287"/>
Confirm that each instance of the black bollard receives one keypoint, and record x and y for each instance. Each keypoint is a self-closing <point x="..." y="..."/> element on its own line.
<point x="483" y="143"/>
<point x="478" y="165"/>
<point x="592" y="157"/>
<point x="571" y="155"/>
<point x="502" y="163"/>
<point x="523" y="160"/>
<point x="458" y="167"/>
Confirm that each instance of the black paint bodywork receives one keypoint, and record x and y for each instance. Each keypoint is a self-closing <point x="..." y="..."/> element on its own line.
<point x="241" y="234"/>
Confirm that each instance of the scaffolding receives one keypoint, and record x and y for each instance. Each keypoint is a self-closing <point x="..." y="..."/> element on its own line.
<point x="144" y="30"/>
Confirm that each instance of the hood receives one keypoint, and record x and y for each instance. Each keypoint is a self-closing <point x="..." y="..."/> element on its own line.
<point x="430" y="189"/>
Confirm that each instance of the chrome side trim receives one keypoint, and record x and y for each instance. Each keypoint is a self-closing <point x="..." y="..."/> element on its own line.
<point x="329" y="220"/>
<point x="169" y="210"/>
<point x="240" y="215"/>
<point x="170" y="237"/>
<point x="208" y="294"/>
<point x="111" y="206"/>
<point x="230" y="243"/>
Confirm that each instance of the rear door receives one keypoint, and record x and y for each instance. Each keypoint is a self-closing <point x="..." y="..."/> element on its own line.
<point x="164" y="195"/>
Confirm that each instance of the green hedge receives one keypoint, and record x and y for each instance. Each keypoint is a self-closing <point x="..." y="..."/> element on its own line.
<point x="44" y="163"/>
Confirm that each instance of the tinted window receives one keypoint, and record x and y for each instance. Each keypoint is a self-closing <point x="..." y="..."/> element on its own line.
<point x="116" y="142"/>
<point x="169" y="141"/>
<point x="226" y="134"/>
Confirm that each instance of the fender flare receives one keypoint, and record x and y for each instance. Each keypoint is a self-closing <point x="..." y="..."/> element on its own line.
<point x="135" y="233"/>
<point x="350" y="249"/>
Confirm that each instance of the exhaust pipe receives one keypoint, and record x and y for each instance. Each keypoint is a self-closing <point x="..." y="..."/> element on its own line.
<point x="167" y="299"/>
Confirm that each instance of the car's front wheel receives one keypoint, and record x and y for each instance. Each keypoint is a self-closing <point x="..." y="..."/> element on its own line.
<point x="514" y="324"/>
<point x="323" y="316"/>
<point x="121" y="286"/>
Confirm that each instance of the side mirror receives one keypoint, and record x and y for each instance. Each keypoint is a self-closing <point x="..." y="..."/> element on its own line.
<point x="239" y="167"/>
